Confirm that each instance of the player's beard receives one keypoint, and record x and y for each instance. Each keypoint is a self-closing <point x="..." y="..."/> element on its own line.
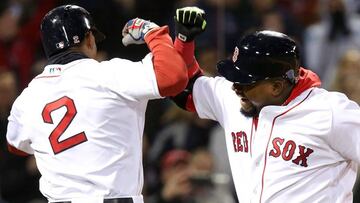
<point x="252" y="113"/>
<point x="248" y="109"/>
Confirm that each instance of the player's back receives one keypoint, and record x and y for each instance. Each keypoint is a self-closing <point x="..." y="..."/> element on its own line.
<point x="85" y="134"/>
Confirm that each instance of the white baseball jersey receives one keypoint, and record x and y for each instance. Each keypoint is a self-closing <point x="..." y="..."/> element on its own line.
<point x="305" y="151"/>
<point x="82" y="152"/>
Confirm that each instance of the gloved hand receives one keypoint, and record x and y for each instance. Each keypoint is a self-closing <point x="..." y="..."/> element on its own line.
<point x="135" y="30"/>
<point x="189" y="22"/>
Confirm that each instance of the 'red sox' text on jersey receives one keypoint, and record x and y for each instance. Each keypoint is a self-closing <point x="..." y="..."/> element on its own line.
<point x="290" y="148"/>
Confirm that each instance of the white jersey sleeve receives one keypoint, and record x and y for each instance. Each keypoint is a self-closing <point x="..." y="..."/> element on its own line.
<point x="345" y="125"/>
<point x="210" y="94"/>
<point x="15" y="128"/>
<point x="134" y="80"/>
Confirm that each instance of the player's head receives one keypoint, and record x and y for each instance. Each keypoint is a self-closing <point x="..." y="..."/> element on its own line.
<point x="67" y="26"/>
<point x="265" y="61"/>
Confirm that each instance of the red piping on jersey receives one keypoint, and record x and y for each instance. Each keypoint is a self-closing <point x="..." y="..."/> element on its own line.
<point x="267" y="145"/>
<point x="169" y="67"/>
<point x="254" y="125"/>
<point x="255" y="121"/>
<point x="49" y="76"/>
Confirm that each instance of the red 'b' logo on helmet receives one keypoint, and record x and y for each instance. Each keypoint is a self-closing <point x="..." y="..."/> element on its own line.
<point x="236" y="54"/>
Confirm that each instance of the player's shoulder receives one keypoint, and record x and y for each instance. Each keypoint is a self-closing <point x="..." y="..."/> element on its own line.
<point x="214" y="87"/>
<point x="116" y="66"/>
<point x="125" y="65"/>
<point x="208" y="85"/>
<point x="333" y="99"/>
<point x="22" y="101"/>
<point x="116" y="63"/>
<point x="216" y="81"/>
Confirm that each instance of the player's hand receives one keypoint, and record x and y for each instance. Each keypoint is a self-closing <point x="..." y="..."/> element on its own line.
<point x="135" y="30"/>
<point x="189" y="22"/>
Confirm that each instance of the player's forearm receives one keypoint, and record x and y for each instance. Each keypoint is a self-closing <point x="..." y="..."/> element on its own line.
<point x="169" y="67"/>
<point x="184" y="99"/>
<point x="187" y="50"/>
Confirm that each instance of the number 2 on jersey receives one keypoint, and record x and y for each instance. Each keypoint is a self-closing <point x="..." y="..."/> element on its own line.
<point x="59" y="146"/>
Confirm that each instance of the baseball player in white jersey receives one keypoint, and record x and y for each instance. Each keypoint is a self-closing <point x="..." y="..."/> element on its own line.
<point x="288" y="140"/>
<point x="82" y="119"/>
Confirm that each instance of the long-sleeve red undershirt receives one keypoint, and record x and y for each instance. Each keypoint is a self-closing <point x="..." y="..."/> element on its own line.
<point x="169" y="67"/>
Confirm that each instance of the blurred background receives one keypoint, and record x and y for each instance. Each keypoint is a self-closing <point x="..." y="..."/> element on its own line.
<point x="184" y="157"/>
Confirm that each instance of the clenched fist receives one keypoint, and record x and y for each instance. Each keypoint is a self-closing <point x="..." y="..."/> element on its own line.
<point x="135" y="30"/>
<point x="189" y="22"/>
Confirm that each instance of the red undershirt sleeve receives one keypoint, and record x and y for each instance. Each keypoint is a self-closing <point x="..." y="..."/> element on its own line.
<point x="16" y="151"/>
<point x="186" y="50"/>
<point x="170" y="69"/>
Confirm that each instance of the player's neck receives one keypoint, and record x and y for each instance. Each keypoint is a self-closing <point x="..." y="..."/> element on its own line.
<point x="286" y="94"/>
<point x="66" y="57"/>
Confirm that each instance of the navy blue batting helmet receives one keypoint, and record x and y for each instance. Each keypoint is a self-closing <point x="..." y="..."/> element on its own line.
<point x="259" y="56"/>
<point x="66" y="26"/>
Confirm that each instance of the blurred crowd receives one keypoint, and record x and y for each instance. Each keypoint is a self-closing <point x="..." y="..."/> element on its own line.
<point x="184" y="157"/>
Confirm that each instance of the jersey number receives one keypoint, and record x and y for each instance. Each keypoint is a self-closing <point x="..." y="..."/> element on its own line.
<point x="59" y="146"/>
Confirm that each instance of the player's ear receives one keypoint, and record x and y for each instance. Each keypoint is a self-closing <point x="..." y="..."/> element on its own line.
<point x="90" y="41"/>
<point x="88" y="45"/>
<point x="278" y="86"/>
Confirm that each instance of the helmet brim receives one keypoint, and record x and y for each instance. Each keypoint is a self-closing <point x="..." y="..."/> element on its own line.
<point x="99" y="36"/>
<point x="231" y="72"/>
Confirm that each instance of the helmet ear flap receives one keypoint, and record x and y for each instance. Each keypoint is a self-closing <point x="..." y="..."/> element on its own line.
<point x="290" y="75"/>
<point x="99" y="36"/>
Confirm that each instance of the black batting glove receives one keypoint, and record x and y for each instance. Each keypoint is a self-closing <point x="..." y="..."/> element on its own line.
<point x="189" y="22"/>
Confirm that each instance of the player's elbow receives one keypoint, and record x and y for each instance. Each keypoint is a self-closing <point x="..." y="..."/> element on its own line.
<point x="172" y="81"/>
<point x="170" y="70"/>
<point x="179" y="84"/>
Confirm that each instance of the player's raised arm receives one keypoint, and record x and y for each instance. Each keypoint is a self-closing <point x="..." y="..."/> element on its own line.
<point x="171" y="75"/>
<point x="189" y="22"/>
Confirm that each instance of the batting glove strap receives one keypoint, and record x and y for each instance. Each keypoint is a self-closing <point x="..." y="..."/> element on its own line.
<point x="189" y="22"/>
<point x="135" y="30"/>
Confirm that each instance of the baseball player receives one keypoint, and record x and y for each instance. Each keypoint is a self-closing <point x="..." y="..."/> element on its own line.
<point x="82" y="119"/>
<point x="288" y="140"/>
